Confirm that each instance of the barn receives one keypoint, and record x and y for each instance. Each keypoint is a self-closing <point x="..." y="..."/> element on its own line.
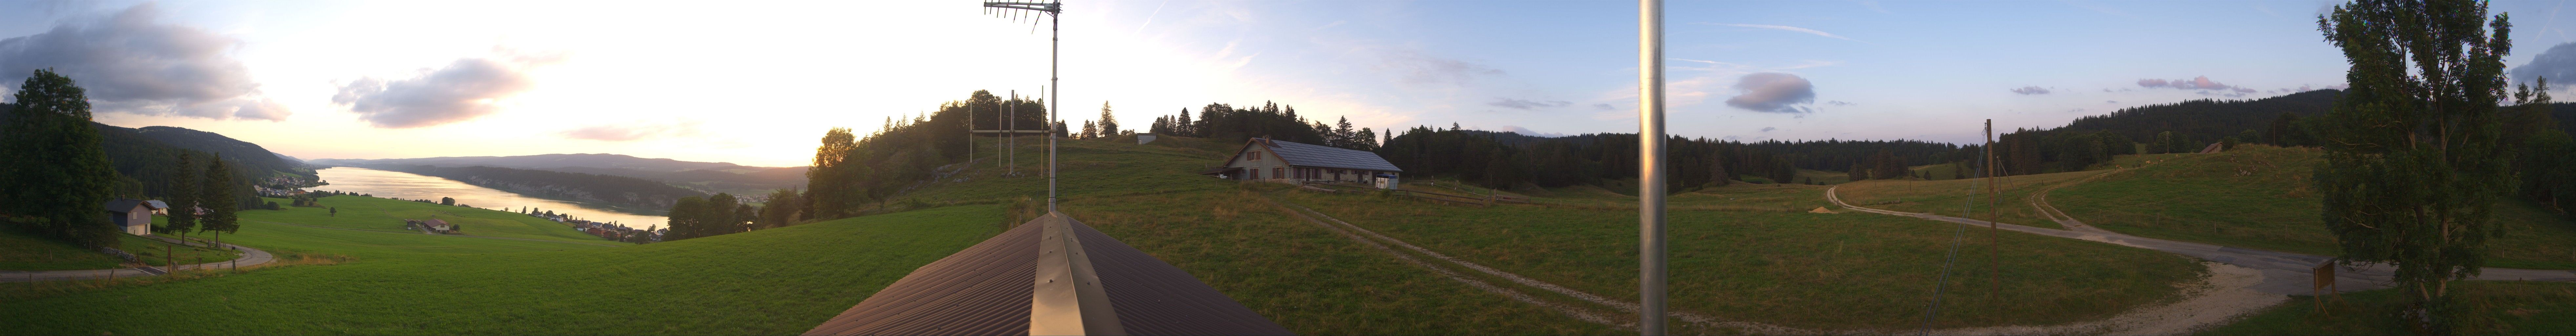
<point x="132" y="216"/>
<point x="1283" y="161"/>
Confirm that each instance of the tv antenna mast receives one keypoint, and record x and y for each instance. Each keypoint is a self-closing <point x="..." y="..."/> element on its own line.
<point x="1055" y="29"/>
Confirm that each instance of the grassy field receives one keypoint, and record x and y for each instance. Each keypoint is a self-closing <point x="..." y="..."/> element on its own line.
<point x="1811" y="176"/>
<point x="2497" y="307"/>
<point x="1774" y="263"/>
<point x="778" y="281"/>
<point x="1953" y="197"/>
<point x="381" y="214"/>
<point x="22" y="252"/>
<point x="2259" y="197"/>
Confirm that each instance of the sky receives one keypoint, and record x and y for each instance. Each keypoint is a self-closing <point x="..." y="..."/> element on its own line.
<point x="757" y="83"/>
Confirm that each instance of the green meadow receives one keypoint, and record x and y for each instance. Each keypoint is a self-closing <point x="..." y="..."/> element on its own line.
<point x="2490" y="308"/>
<point x="2257" y="196"/>
<point x="778" y="281"/>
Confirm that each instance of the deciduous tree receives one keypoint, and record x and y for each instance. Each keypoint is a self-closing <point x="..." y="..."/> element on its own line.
<point x="2413" y="167"/>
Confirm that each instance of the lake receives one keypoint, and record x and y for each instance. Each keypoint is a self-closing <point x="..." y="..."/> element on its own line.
<point x="391" y="184"/>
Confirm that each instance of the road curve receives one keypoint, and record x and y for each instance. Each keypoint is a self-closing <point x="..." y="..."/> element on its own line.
<point x="2283" y="272"/>
<point x="250" y="257"/>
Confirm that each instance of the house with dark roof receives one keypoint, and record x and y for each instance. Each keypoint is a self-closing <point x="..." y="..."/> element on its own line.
<point x="1049" y="276"/>
<point x="132" y="216"/>
<point x="1283" y="161"/>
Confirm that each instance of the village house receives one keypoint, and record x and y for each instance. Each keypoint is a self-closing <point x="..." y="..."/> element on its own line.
<point x="133" y="216"/>
<point x="432" y="225"/>
<point x="1282" y="161"/>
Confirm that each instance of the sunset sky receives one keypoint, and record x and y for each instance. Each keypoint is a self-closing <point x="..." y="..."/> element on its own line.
<point x="756" y="83"/>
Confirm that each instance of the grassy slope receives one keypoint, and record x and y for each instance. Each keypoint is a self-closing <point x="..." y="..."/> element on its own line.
<point x="380" y="214"/>
<point x="1953" y="197"/>
<point x="2259" y="197"/>
<point x="779" y="281"/>
<point x="23" y="252"/>
<point x="2497" y="307"/>
<point x="1763" y="261"/>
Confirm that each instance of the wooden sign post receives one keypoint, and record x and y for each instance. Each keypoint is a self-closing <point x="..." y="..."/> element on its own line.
<point x="2324" y="283"/>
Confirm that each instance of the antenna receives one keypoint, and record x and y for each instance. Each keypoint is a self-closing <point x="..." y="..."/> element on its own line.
<point x="1054" y="50"/>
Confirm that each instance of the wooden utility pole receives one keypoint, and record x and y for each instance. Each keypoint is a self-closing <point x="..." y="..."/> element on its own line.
<point x="1994" y="207"/>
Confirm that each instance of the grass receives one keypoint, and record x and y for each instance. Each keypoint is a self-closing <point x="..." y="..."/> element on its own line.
<point x="2493" y="308"/>
<point x="1303" y="277"/>
<point x="1807" y="176"/>
<point x="1953" y="197"/>
<point x="2259" y="197"/>
<point x="1784" y="266"/>
<point x="778" y="281"/>
<point x="381" y="214"/>
<point x="20" y="251"/>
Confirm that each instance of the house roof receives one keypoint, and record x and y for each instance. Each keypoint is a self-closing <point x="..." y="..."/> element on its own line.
<point x="157" y="204"/>
<point x="128" y="204"/>
<point x="435" y="222"/>
<point x="991" y="289"/>
<point x="1306" y="155"/>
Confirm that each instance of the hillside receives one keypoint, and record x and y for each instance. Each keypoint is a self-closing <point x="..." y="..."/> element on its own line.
<point x="145" y="165"/>
<point x="710" y="177"/>
<point x="251" y="156"/>
<point x="2260" y="197"/>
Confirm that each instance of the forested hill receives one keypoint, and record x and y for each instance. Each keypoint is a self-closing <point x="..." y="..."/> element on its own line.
<point x="636" y="194"/>
<point x="146" y="166"/>
<point x="2206" y="118"/>
<point x="249" y="156"/>
<point x="703" y="176"/>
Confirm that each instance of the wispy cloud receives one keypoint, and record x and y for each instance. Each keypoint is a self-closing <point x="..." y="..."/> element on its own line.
<point x="1527" y="104"/>
<point x="2030" y="90"/>
<point x="1785" y="28"/>
<point x="631" y="132"/>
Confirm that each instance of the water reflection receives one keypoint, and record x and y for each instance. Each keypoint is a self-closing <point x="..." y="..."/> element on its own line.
<point x="390" y="184"/>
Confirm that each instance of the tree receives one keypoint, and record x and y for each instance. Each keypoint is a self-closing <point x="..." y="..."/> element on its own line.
<point x="335" y="211"/>
<point x="216" y="195"/>
<point x="832" y="187"/>
<point x="183" y="199"/>
<point x="58" y="172"/>
<point x="1343" y="136"/>
<point x="1857" y="173"/>
<point x="2412" y="163"/>
<point x="1108" y="123"/>
<point x="1181" y="124"/>
<point x="718" y="217"/>
<point x="781" y="210"/>
<point x="448" y="201"/>
<point x="684" y="218"/>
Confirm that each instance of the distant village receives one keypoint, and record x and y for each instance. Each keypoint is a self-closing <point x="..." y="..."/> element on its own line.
<point x="610" y="231"/>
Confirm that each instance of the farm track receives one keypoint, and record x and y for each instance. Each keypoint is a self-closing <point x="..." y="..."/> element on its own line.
<point x="2278" y="273"/>
<point x="249" y="257"/>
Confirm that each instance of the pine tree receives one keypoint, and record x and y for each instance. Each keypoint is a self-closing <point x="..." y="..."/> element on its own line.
<point x="1181" y="124"/>
<point x="216" y="195"/>
<point x="2413" y="166"/>
<point x="1108" y="123"/>
<point x="1089" y="130"/>
<point x="183" y="198"/>
<point x="1342" y="135"/>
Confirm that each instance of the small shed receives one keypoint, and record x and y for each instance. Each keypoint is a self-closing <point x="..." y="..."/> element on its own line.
<point x="132" y="215"/>
<point x="1143" y="138"/>
<point x="1271" y="160"/>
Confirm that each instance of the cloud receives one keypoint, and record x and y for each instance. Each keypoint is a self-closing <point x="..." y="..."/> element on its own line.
<point x="1773" y="92"/>
<point x="630" y="132"/>
<point x="2030" y="90"/>
<point x="1787" y="28"/>
<point x="2559" y="63"/>
<point x="130" y="63"/>
<point x="464" y="90"/>
<point x="1604" y="107"/>
<point x="2196" y="83"/>
<point x="1417" y="68"/>
<point x="1528" y="132"/>
<point x="1526" y="104"/>
<point x="1840" y="103"/>
<point x="1768" y="129"/>
<point x="2110" y="102"/>
<point x="2244" y="90"/>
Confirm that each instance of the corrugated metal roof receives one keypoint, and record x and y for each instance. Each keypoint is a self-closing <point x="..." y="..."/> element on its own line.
<point x="986" y="290"/>
<point x="1299" y="154"/>
<point x="123" y="204"/>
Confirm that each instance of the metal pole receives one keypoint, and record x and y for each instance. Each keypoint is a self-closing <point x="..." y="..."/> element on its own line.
<point x="1011" y="165"/>
<point x="1650" y="167"/>
<point x="1055" y="33"/>
<point x="1994" y="206"/>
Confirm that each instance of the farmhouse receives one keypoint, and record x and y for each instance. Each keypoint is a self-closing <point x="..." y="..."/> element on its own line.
<point x="1265" y="159"/>
<point x="132" y="215"/>
<point x="432" y="225"/>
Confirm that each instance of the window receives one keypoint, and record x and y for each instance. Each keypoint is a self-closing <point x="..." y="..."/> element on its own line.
<point x="1277" y="172"/>
<point x="1256" y="155"/>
